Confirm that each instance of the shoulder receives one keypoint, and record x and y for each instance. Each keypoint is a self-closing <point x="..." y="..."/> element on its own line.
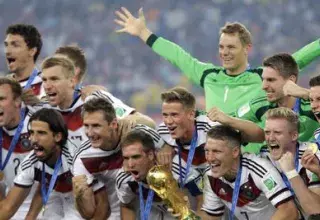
<point x="123" y="178"/>
<point x="256" y="165"/>
<point x="29" y="161"/>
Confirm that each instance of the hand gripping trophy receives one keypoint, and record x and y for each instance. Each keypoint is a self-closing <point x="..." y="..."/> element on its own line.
<point x="161" y="181"/>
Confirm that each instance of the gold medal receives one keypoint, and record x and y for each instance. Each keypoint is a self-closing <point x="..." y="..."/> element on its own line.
<point x="43" y="210"/>
<point x="1" y="175"/>
<point x="313" y="147"/>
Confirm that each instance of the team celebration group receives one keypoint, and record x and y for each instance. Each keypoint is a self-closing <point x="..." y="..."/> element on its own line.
<point x="77" y="152"/>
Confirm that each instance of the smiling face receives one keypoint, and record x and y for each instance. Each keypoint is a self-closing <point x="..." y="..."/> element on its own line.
<point x="233" y="54"/>
<point x="280" y="137"/>
<point x="43" y="140"/>
<point x="136" y="161"/>
<point x="18" y="55"/>
<point x="179" y="120"/>
<point x="220" y="156"/>
<point x="100" y="132"/>
<point x="315" y="101"/>
<point x="272" y="83"/>
<point x="58" y="87"/>
<point x="9" y="107"/>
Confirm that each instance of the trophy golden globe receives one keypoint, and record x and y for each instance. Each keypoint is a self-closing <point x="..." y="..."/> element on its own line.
<point x="161" y="180"/>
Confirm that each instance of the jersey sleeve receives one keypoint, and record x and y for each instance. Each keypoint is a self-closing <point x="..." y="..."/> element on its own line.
<point x="78" y="168"/>
<point x="123" y="189"/>
<point x="157" y="140"/>
<point x="307" y="54"/>
<point x="177" y="56"/>
<point x="25" y="175"/>
<point x="271" y="183"/>
<point x="122" y="110"/>
<point x="212" y="204"/>
<point x="193" y="179"/>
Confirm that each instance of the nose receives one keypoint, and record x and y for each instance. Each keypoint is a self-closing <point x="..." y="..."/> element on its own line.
<point x="88" y="131"/>
<point x="210" y="157"/>
<point x="131" y="163"/>
<point x="168" y="120"/>
<point x="33" y="138"/>
<point x="264" y="85"/>
<point x="46" y="85"/>
<point x="314" y="105"/>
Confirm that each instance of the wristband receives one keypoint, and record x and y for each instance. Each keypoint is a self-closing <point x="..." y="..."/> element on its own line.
<point x="291" y="174"/>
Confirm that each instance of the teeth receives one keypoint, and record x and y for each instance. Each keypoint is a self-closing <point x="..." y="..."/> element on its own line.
<point x="317" y="114"/>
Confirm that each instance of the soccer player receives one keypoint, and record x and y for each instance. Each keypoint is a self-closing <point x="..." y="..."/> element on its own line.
<point x="185" y="129"/>
<point x="228" y="86"/>
<point x="98" y="160"/>
<point x="49" y="164"/>
<point x="278" y="70"/>
<point x="251" y="187"/>
<point x="138" y="152"/>
<point x="314" y="94"/>
<point x="76" y="54"/>
<point x="284" y="150"/>
<point x="14" y="137"/>
<point x="23" y="45"/>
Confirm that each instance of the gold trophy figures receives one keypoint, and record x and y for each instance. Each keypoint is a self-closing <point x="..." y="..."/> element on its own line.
<point x="160" y="179"/>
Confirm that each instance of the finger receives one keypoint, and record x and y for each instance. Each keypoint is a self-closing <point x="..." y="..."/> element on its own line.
<point x="141" y="15"/>
<point x="121" y="15"/>
<point x="121" y="30"/>
<point x="121" y="23"/>
<point x="126" y="12"/>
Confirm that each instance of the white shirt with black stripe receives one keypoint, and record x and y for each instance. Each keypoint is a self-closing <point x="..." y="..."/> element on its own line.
<point x="122" y="110"/>
<point x="203" y="125"/>
<point x="61" y="201"/>
<point x="261" y="191"/>
<point x="310" y="179"/>
<point x="101" y="167"/>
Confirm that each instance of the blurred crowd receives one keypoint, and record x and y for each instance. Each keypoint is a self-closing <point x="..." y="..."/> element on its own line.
<point x="130" y="70"/>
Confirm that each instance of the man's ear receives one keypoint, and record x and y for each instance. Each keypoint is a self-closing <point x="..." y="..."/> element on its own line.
<point x="32" y="52"/>
<point x="58" y="137"/>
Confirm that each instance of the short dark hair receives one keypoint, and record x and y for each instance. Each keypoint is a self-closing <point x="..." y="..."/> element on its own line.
<point x="30" y="34"/>
<point x="237" y="27"/>
<point x="100" y="104"/>
<point x="225" y="133"/>
<point x="138" y="136"/>
<point x="55" y="121"/>
<point x="181" y="95"/>
<point x="284" y="63"/>
<point x="314" y="81"/>
<point x="14" y="85"/>
<point x="76" y="54"/>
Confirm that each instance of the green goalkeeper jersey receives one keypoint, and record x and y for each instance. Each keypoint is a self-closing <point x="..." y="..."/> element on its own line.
<point x="226" y="92"/>
<point x="255" y="111"/>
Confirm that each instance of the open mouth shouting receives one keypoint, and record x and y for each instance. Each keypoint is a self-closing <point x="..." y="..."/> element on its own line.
<point x="135" y="174"/>
<point x="317" y="114"/>
<point x="11" y="61"/>
<point x="215" y="166"/>
<point x="172" y="129"/>
<point x="39" y="150"/>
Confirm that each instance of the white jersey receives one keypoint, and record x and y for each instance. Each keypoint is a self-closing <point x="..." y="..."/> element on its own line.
<point x="101" y="166"/>
<point x="36" y="85"/>
<point x="261" y="190"/>
<point x="22" y="149"/>
<point x="61" y="201"/>
<point x="122" y="110"/>
<point x="310" y="179"/>
<point x="128" y="190"/>
<point x="316" y="134"/>
<point x="203" y="124"/>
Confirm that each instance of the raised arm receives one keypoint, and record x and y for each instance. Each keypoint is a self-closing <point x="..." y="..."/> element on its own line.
<point x="307" y="54"/>
<point x="250" y="132"/>
<point x="12" y="202"/>
<point x="190" y="66"/>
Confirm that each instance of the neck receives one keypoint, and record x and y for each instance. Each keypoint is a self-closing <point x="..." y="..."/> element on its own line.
<point x="25" y="73"/>
<point x="232" y="173"/>
<point x="237" y="71"/>
<point x="287" y="101"/>
<point x="187" y="137"/>
<point x="51" y="162"/>
<point x="67" y="101"/>
<point x="14" y="122"/>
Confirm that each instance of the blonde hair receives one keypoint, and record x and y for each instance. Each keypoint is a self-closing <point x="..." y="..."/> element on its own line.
<point x="284" y="113"/>
<point x="62" y="61"/>
<point x="181" y="95"/>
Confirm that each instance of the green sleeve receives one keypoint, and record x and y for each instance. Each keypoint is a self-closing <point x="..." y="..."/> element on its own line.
<point x="172" y="52"/>
<point x="247" y="112"/>
<point x="307" y="54"/>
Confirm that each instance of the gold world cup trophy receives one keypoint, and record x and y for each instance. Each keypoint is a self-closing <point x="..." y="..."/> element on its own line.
<point x="161" y="180"/>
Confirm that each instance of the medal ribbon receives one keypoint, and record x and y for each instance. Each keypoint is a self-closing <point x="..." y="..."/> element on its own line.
<point x="145" y="210"/>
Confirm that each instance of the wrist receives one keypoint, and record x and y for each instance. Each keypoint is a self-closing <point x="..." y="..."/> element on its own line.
<point x="291" y="174"/>
<point x="145" y="34"/>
